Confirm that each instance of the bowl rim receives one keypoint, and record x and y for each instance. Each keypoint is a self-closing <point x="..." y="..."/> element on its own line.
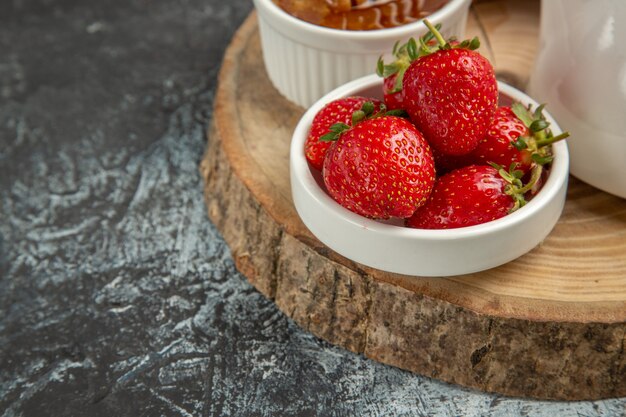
<point x="293" y="23"/>
<point x="558" y="174"/>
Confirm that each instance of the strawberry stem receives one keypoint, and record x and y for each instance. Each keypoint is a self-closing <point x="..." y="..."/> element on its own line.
<point x="517" y="193"/>
<point x="551" y="139"/>
<point x="541" y="136"/>
<point x="435" y="32"/>
<point x="515" y="188"/>
<point x="535" y="174"/>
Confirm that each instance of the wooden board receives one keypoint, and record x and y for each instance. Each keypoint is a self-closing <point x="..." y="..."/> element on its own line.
<point x="551" y="324"/>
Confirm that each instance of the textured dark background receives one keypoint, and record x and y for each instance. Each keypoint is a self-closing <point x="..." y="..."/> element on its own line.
<point x="117" y="295"/>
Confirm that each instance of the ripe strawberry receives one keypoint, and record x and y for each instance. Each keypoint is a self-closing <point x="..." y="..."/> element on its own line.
<point x="393" y="73"/>
<point x="446" y="163"/>
<point x="515" y="136"/>
<point x="393" y="98"/>
<point x="499" y="143"/>
<point x="337" y="111"/>
<point x="471" y="195"/>
<point x="451" y="95"/>
<point x="380" y="168"/>
<point x="536" y="145"/>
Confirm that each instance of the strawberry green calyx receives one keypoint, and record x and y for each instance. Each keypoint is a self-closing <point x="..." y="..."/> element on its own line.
<point x="335" y="131"/>
<point x="471" y="44"/>
<point x="516" y="188"/>
<point x="537" y="142"/>
<point x="408" y="52"/>
<point x="541" y="135"/>
<point x="402" y="61"/>
<point x="404" y="55"/>
<point x="367" y="111"/>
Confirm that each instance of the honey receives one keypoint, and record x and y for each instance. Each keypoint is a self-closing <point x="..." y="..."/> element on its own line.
<point x="360" y="14"/>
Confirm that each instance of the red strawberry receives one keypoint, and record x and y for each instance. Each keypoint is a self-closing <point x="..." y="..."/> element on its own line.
<point x="446" y="163"/>
<point x="337" y="111"/>
<point x="380" y="168"/>
<point x="515" y="136"/>
<point x="468" y="196"/>
<point x="451" y="95"/>
<point x="393" y="73"/>
<point x="498" y="145"/>
<point x="394" y="99"/>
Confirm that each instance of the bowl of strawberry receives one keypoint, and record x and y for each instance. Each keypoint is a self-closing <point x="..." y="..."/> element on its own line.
<point x="431" y="167"/>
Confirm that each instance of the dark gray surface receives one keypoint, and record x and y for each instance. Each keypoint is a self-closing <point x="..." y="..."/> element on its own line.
<point x="117" y="295"/>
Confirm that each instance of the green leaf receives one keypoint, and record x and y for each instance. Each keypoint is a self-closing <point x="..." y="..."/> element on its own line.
<point x="402" y="50"/>
<point x="519" y="201"/>
<point x="496" y="166"/>
<point x="522" y="113"/>
<point x="335" y="131"/>
<point x="397" y="113"/>
<point x="542" y="159"/>
<point x="394" y="51"/>
<point x="520" y="143"/>
<point x="538" y="114"/>
<point x="507" y="177"/>
<point x="474" y="43"/>
<point x="397" y="85"/>
<point x="339" y="127"/>
<point x="368" y="108"/>
<point x="390" y="69"/>
<point x="411" y="48"/>
<point x="538" y="125"/>
<point x="329" y="137"/>
<point x="380" y="66"/>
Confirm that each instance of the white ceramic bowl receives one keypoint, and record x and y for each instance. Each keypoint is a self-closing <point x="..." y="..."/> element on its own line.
<point x="305" y="61"/>
<point x="415" y="251"/>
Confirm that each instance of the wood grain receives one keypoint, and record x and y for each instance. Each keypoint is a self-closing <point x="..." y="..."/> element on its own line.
<point x="548" y="325"/>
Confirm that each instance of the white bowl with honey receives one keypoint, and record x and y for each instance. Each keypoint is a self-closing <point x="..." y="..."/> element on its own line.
<point x="341" y="40"/>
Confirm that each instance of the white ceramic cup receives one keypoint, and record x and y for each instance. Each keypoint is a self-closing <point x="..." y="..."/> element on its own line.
<point x="305" y="61"/>
<point x="580" y="72"/>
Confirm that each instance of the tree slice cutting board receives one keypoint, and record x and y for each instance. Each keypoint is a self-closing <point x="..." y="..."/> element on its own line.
<point x="551" y="324"/>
